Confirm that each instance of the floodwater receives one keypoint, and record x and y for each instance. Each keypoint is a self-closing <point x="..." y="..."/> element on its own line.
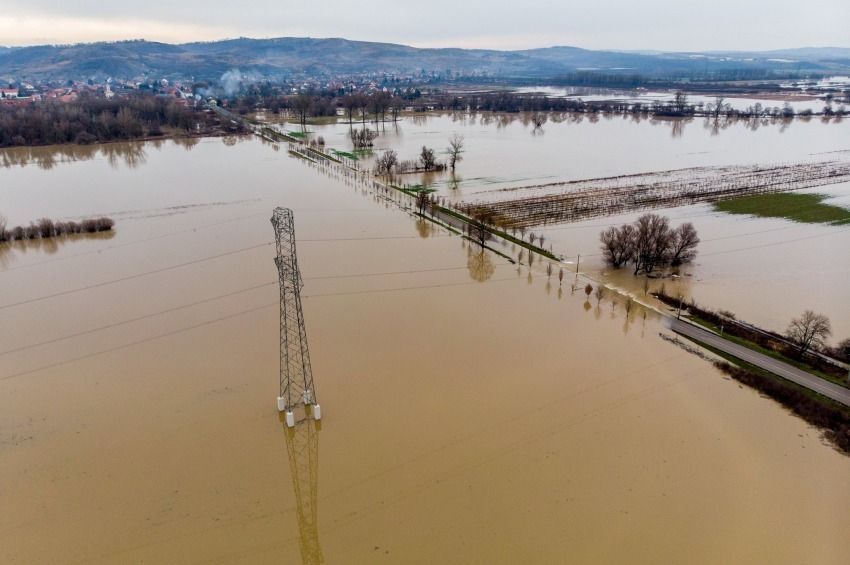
<point x="473" y="411"/>
<point x="813" y="101"/>
<point x="766" y="271"/>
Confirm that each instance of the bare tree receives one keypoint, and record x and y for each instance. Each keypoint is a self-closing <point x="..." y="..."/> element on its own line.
<point x="455" y="150"/>
<point x="588" y="289"/>
<point x="301" y="106"/>
<point x="385" y="164"/>
<point x="719" y="106"/>
<point x="423" y="200"/>
<point x="680" y="102"/>
<point x="539" y="119"/>
<point x="617" y="244"/>
<point x="396" y="105"/>
<point x="350" y="103"/>
<point x="363" y="106"/>
<point x="809" y="331"/>
<point x="683" y="244"/>
<point x="363" y="138"/>
<point x="479" y="232"/>
<point x="651" y="242"/>
<point x="428" y="159"/>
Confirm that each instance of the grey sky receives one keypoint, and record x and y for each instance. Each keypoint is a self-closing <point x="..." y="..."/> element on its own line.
<point x="615" y="24"/>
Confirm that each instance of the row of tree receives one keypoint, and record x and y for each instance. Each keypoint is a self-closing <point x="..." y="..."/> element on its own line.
<point x="47" y="228"/>
<point x="90" y="119"/>
<point x="388" y="163"/>
<point x="378" y="105"/>
<point x="649" y="243"/>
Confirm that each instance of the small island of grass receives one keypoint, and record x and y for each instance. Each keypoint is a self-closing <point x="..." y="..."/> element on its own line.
<point x="808" y="208"/>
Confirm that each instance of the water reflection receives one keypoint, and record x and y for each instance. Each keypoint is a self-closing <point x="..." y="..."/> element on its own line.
<point x="128" y="153"/>
<point x="131" y="154"/>
<point x="48" y="245"/>
<point x="302" y="448"/>
<point x="480" y="264"/>
<point x="424" y="228"/>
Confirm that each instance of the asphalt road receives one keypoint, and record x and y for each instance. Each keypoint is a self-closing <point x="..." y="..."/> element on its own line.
<point x="784" y="370"/>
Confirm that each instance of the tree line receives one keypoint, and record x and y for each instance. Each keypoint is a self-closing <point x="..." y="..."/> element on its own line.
<point x="46" y="228"/>
<point x="91" y="120"/>
<point x="649" y="243"/>
<point x="381" y="105"/>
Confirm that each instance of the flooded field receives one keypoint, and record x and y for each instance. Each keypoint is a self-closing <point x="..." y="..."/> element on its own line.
<point x="474" y="411"/>
<point x="812" y="100"/>
<point x="762" y="269"/>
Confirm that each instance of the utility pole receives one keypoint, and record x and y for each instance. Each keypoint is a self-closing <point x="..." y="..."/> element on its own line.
<point x="296" y="375"/>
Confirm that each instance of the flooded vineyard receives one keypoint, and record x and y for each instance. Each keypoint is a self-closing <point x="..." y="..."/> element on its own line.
<point x="569" y="201"/>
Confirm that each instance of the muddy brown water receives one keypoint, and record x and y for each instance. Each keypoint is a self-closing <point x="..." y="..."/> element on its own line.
<point x="764" y="270"/>
<point x="473" y="412"/>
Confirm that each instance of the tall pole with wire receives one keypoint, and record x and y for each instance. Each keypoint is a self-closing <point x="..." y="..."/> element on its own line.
<point x="296" y="375"/>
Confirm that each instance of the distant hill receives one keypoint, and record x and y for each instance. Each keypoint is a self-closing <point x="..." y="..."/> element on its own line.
<point x="288" y="57"/>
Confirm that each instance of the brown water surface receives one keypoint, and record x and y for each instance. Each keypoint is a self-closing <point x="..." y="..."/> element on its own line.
<point x="474" y="411"/>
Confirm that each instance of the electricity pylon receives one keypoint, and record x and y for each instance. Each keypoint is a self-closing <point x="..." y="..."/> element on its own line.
<point x="296" y="376"/>
<point x="302" y="446"/>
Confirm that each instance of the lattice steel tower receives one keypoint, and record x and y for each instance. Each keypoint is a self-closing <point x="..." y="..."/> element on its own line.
<point x="296" y="376"/>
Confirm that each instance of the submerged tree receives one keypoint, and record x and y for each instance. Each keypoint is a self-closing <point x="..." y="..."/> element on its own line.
<point x="301" y="106"/>
<point x="455" y="150"/>
<point x="617" y="244"/>
<point x="683" y="246"/>
<point x="539" y="119"/>
<point x="350" y="104"/>
<point x="649" y="243"/>
<point x="385" y="164"/>
<point x="363" y="138"/>
<point x="428" y="158"/>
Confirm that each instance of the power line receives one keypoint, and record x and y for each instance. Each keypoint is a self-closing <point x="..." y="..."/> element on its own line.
<point x="189" y="230"/>
<point x="227" y="317"/>
<point x="214" y="298"/>
<point x="193" y="262"/>
<point x="776" y="243"/>
<point x="129" y="243"/>
<point x="136" y="319"/>
<point x="131" y="277"/>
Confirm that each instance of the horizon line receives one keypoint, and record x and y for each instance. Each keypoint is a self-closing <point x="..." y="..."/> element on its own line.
<point x="636" y="50"/>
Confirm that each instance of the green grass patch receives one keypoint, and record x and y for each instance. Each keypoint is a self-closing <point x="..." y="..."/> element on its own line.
<point x="808" y="208"/>
<point x="297" y="134"/>
<point x="346" y="154"/>
<point x="416" y="188"/>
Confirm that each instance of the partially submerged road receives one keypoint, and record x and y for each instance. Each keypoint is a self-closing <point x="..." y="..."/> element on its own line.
<point x="784" y="370"/>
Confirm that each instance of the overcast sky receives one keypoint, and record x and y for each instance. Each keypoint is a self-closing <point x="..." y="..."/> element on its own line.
<point x="680" y="25"/>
